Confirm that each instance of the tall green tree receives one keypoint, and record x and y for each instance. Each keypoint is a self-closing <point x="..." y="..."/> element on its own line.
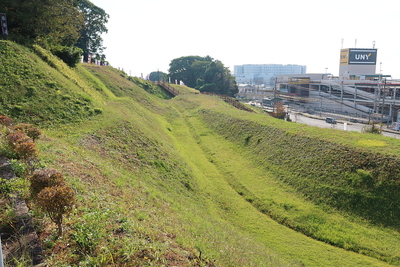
<point x="95" y="19"/>
<point x="181" y="69"/>
<point x="199" y="68"/>
<point x="204" y="74"/>
<point x="220" y="76"/>
<point x="44" y="22"/>
<point x="158" y="76"/>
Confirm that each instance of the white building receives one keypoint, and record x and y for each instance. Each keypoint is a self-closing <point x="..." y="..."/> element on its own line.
<point x="264" y="73"/>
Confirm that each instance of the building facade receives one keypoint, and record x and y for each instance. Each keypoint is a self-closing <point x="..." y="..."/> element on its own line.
<point x="265" y="74"/>
<point x="357" y="61"/>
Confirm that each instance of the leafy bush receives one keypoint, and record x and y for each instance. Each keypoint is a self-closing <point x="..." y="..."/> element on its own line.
<point x="6" y="186"/>
<point x="18" y="167"/>
<point x="70" y="55"/>
<point x="13" y="186"/>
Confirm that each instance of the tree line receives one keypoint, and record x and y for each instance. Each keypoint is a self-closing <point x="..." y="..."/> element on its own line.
<point x="202" y="73"/>
<point x="68" y="28"/>
<point x="72" y="28"/>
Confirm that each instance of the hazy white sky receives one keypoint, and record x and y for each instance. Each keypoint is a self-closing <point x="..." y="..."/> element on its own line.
<point x="145" y="35"/>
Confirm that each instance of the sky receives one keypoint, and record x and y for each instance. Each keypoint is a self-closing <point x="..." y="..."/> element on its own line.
<point x="146" y="35"/>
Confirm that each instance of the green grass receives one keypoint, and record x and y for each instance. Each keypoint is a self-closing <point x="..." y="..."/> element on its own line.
<point x="37" y="93"/>
<point x="274" y="198"/>
<point x="260" y="188"/>
<point x="191" y="181"/>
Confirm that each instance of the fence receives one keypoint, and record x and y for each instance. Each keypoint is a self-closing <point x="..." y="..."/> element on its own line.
<point x="168" y="87"/>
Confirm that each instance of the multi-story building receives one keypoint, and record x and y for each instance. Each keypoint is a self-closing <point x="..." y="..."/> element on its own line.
<point x="264" y="73"/>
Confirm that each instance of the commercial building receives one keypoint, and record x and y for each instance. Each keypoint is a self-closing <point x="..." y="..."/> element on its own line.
<point x="357" y="62"/>
<point x="264" y="74"/>
<point x="357" y="91"/>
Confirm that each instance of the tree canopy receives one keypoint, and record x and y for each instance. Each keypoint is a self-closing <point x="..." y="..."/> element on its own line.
<point x="57" y="25"/>
<point x="203" y="73"/>
<point x="95" y="19"/>
<point x="158" y="76"/>
<point x="45" y="22"/>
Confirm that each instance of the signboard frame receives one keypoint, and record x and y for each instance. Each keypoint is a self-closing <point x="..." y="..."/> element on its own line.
<point x="358" y="56"/>
<point x="3" y="24"/>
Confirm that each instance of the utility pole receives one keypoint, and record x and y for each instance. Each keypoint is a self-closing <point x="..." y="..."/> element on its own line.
<point x="383" y="103"/>
<point x="320" y="105"/>
<point x="355" y="96"/>
<point x="341" y="97"/>
<point x="375" y="96"/>
<point x="273" y="110"/>
<point x="394" y="102"/>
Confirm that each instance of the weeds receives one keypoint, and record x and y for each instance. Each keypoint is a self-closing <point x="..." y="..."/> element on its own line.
<point x="372" y="129"/>
<point x="157" y="179"/>
<point x="88" y="232"/>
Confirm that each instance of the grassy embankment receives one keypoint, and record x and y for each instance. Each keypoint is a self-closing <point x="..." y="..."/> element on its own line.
<point x="191" y="181"/>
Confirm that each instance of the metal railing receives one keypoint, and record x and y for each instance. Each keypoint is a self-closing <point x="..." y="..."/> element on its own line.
<point x="168" y="87"/>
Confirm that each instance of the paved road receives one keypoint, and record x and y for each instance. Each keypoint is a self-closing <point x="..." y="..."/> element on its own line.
<point x="320" y="122"/>
<point x="349" y="126"/>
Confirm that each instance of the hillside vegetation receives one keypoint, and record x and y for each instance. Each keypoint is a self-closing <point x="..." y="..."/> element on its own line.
<point x="192" y="181"/>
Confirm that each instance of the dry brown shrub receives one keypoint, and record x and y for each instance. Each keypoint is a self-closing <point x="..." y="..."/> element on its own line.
<point x="5" y="120"/>
<point x="56" y="201"/>
<point x="28" y="129"/>
<point x="18" y="137"/>
<point x="22" y="145"/>
<point x="26" y="150"/>
<point x="41" y="179"/>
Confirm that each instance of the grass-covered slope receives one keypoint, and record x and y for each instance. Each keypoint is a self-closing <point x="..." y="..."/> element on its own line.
<point x="123" y="85"/>
<point x="354" y="193"/>
<point x="345" y="177"/>
<point x="37" y="93"/>
<point x="191" y="181"/>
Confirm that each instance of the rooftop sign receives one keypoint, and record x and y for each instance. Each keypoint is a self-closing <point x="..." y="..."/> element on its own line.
<point x="358" y="56"/>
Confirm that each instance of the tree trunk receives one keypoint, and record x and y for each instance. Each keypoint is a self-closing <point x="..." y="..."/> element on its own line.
<point x="59" y="225"/>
